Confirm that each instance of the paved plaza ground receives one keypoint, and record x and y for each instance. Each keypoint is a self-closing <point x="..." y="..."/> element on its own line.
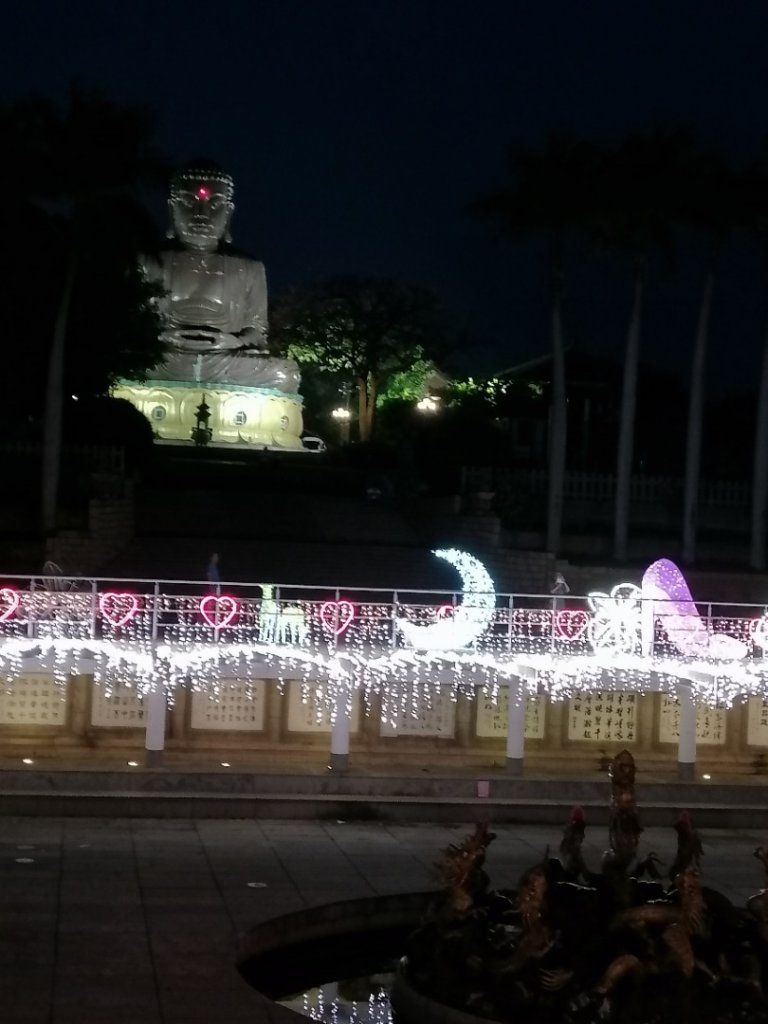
<point x="138" y="922"/>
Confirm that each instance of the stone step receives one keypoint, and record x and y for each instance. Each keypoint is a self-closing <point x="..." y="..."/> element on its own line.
<point x="360" y="784"/>
<point x="346" y="806"/>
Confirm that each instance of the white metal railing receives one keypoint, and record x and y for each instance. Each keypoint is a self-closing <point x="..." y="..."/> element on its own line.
<point x="161" y="611"/>
<point x="103" y="458"/>
<point x="602" y="486"/>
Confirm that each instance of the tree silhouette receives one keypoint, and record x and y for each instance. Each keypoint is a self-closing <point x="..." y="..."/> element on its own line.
<point x="712" y="207"/>
<point x="363" y="330"/>
<point x="642" y="197"/>
<point x="551" y="191"/>
<point x="753" y="196"/>
<point x="81" y="170"/>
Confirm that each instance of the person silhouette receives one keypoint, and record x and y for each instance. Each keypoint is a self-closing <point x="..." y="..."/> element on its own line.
<point x="559" y="589"/>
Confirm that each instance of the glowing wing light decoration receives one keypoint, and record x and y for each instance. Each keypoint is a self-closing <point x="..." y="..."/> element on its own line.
<point x="469" y="619"/>
<point x="674" y="608"/>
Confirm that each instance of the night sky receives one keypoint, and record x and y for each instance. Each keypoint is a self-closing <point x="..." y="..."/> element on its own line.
<point x="358" y="132"/>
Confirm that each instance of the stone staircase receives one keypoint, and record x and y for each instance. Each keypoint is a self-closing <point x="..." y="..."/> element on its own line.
<point x="436" y="798"/>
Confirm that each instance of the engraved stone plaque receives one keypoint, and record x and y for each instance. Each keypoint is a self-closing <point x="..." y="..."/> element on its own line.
<point x="436" y="718"/>
<point x="757" y="722"/>
<point x="308" y="713"/>
<point x="492" y="718"/>
<point x="603" y="717"/>
<point x="122" y="708"/>
<point x="32" y="699"/>
<point x="710" y="723"/>
<point x="239" y="704"/>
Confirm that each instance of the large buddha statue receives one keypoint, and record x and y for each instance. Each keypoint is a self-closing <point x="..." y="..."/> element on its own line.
<point x="215" y="309"/>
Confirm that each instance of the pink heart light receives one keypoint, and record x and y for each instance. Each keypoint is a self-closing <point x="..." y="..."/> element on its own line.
<point x="11" y="599"/>
<point x="118" y="608"/>
<point x="570" y="623"/>
<point x="219" y="611"/>
<point x="337" y="615"/>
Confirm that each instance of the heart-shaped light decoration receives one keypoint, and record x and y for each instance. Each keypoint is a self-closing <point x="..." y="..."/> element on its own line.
<point x="9" y="603"/>
<point x="118" y="608"/>
<point x="570" y="623"/>
<point x="219" y="611"/>
<point x="337" y="615"/>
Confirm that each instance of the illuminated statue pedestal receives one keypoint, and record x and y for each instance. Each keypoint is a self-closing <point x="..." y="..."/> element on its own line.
<point x="242" y="415"/>
<point x="217" y="382"/>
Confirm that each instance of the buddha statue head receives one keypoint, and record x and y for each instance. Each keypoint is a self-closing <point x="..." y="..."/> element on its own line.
<point x="201" y="206"/>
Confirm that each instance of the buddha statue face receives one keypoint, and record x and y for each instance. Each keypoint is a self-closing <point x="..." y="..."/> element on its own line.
<point x="201" y="208"/>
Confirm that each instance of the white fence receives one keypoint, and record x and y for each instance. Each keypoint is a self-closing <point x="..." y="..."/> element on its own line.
<point x="601" y="487"/>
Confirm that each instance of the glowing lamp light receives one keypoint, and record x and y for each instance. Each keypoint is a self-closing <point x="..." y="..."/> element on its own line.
<point x="203" y="192"/>
<point x="341" y="414"/>
<point x="428" y="404"/>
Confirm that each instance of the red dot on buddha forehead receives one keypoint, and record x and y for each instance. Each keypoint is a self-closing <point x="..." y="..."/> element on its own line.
<point x="203" y="192"/>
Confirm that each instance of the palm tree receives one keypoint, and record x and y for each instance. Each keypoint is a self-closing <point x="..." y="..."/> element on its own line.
<point x="695" y="421"/>
<point x="753" y="193"/>
<point x="760" y="470"/>
<point x="85" y="165"/>
<point x="643" y="183"/>
<point x="710" y="205"/>
<point x="552" y="192"/>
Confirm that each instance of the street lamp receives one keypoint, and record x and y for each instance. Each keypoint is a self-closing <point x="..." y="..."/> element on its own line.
<point x="342" y="417"/>
<point x="428" y="404"/>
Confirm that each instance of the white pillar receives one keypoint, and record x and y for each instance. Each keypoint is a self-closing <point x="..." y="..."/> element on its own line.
<point x="154" y="740"/>
<point x="340" y="729"/>
<point x="516" y="726"/>
<point x="686" y="750"/>
<point x="154" y="702"/>
<point x="647" y="626"/>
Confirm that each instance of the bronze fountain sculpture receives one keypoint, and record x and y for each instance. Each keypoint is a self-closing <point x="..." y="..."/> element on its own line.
<point x="575" y="946"/>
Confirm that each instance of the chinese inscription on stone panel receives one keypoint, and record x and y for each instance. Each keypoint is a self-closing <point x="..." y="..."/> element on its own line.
<point x="492" y="718"/>
<point x="308" y="713"/>
<point x="757" y="722"/>
<point x="32" y="699"/>
<point x="122" y="708"/>
<point x="438" y="718"/>
<point x="603" y="716"/>
<point x="238" y="705"/>
<point x="710" y="723"/>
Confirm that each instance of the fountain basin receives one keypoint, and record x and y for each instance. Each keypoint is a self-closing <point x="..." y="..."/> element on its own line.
<point x="292" y="953"/>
